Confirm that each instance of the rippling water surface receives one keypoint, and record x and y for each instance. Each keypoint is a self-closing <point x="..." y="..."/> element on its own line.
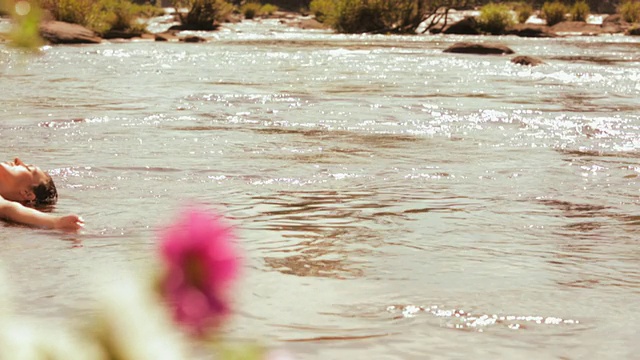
<point x="394" y="201"/>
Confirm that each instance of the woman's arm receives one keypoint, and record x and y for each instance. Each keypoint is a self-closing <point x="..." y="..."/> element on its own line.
<point x="21" y="214"/>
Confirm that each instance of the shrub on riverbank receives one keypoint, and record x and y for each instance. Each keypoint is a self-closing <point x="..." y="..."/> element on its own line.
<point x="323" y="10"/>
<point x="252" y="9"/>
<point x="554" y="12"/>
<point x="71" y="11"/>
<point x="370" y="16"/>
<point x="355" y="16"/>
<point x="580" y="11"/>
<point x="202" y="14"/>
<point x="101" y="16"/>
<point x="268" y="9"/>
<point x="630" y="11"/>
<point x="350" y="16"/>
<point x="116" y="15"/>
<point x="147" y="11"/>
<point x="495" y="18"/>
<point x="523" y="11"/>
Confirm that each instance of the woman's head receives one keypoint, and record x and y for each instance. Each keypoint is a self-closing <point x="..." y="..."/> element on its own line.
<point x="26" y="183"/>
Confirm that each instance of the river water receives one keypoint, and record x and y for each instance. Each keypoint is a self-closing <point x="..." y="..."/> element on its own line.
<point x="393" y="201"/>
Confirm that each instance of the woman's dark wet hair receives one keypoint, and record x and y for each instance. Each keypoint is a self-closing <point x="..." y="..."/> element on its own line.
<point x="46" y="193"/>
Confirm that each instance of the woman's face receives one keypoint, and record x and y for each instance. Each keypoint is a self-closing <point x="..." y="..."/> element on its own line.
<point x="20" y="178"/>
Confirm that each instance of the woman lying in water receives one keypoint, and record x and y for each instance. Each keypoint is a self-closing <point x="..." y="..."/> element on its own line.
<point x="26" y="184"/>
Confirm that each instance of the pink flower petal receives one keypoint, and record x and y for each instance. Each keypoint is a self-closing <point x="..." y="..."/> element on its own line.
<point x="200" y="262"/>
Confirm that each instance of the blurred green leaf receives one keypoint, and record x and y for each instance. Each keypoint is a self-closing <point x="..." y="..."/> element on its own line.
<point x="26" y="21"/>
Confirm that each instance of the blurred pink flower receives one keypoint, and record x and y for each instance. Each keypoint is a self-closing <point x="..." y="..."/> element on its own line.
<point x="201" y="263"/>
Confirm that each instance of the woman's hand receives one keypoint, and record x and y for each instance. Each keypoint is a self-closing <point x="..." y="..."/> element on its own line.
<point x="69" y="223"/>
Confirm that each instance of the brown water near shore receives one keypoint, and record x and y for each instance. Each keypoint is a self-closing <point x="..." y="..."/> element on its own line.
<point x="393" y="201"/>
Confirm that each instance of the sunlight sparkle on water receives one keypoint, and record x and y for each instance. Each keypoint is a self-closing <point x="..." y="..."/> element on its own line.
<point x="115" y="53"/>
<point x="463" y="320"/>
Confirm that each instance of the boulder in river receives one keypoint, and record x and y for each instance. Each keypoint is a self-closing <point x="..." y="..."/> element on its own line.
<point x="58" y="32"/>
<point x="478" y="48"/>
<point x="193" y="39"/>
<point x="526" y="60"/>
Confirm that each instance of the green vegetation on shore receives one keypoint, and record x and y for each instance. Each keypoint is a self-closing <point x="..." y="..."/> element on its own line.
<point x="405" y="16"/>
<point x="375" y="16"/>
<point x="523" y="11"/>
<point x="202" y="14"/>
<point x="495" y="18"/>
<point x="122" y="17"/>
<point x="102" y="16"/>
<point x="253" y="9"/>
<point x="630" y="11"/>
<point x="580" y="11"/>
<point x="554" y="12"/>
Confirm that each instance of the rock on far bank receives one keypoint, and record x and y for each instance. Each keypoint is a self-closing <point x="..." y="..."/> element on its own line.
<point x="467" y="26"/>
<point x="614" y="24"/>
<point x="531" y="31"/>
<point x="58" y="32"/>
<point x="307" y="23"/>
<point x="576" y="28"/>
<point x="479" y="48"/>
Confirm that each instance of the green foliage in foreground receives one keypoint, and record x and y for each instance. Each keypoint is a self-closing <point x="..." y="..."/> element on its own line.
<point x="580" y="11"/>
<point x="203" y="14"/>
<point x="102" y="16"/>
<point x="554" y="12"/>
<point x="630" y="11"/>
<point x="25" y="31"/>
<point x="4" y="8"/>
<point x="495" y="18"/>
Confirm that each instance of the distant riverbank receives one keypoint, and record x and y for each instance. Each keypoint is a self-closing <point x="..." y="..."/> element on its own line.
<point x="160" y="28"/>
